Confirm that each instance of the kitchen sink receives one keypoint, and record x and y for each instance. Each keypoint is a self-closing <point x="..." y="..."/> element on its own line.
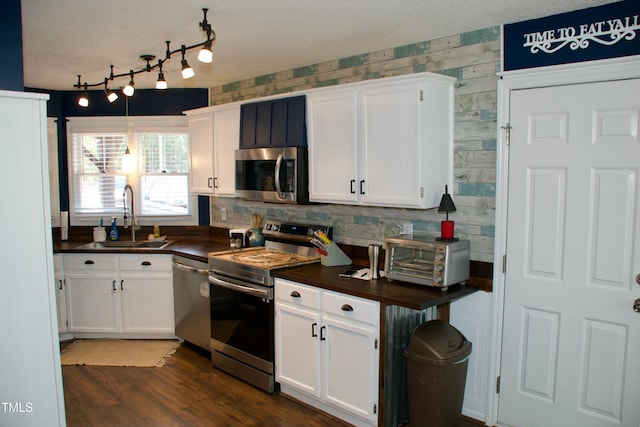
<point x="127" y="244"/>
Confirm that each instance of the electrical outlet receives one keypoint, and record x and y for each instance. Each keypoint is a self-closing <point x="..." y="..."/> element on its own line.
<point x="407" y="228"/>
<point x="223" y="214"/>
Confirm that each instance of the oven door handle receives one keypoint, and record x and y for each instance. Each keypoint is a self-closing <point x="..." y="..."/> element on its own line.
<point x="261" y="293"/>
<point x="189" y="269"/>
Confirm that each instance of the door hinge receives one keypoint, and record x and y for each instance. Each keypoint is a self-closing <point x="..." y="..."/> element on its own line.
<point x="508" y="129"/>
<point x="421" y="192"/>
<point x="375" y="408"/>
<point x="375" y="344"/>
<point x="504" y="263"/>
<point x="421" y="95"/>
<point x="498" y="385"/>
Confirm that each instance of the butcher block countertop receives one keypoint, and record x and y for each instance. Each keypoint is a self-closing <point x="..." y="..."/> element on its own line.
<point x="387" y="292"/>
<point x="197" y="242"/>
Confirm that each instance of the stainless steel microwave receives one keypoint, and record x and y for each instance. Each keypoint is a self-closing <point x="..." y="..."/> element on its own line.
<point x="429" y="263"/>
<point x="279" y="175"/>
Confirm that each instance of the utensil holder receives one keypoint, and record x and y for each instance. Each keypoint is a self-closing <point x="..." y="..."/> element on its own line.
<point x="334" y="257"/>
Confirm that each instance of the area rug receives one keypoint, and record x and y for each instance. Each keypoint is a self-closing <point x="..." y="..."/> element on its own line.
<point x="114" y="352"/>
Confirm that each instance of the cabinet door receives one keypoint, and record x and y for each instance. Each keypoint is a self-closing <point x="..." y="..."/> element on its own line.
<point x="226" y="137"/>
<point x="390" y="145"/>
<point x="201" y="140"/>
<point x="147" y="304"/>
<point x="296" y="121"/>
<point x="332" y="133"/>
<point x="297" y="348"/>
<point x="351" y="360"/>
<point x="92" y="303"/>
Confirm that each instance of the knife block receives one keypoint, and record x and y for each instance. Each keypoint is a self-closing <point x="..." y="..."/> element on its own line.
<point x="334" y="257"/>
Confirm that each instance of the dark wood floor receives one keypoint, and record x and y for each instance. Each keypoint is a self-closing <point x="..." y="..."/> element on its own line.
<point x="187" y="391"/>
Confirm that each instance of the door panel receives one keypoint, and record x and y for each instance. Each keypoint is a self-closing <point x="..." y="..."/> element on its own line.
<point x="571" y="340"/>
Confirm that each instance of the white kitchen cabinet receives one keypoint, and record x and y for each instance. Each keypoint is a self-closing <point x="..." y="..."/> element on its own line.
<point x="332" y="133"/>
<point x="387" y="142"/>
<point x="214" y="135"/>
<point x="147" y="294"/>
<point x="327" y="350"/>
<point x="226" y="139"/>
<point x="126" y="295"/>
<point x="61" y="299"/>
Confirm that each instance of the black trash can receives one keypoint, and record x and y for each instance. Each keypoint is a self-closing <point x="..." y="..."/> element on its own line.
<point x="437" y="359"/>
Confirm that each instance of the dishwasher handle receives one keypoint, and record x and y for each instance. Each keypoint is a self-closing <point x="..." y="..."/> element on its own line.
<point x="190" y="269"/>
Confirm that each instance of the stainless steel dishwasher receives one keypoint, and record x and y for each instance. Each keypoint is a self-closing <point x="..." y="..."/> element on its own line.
<point x="191" y="301"/>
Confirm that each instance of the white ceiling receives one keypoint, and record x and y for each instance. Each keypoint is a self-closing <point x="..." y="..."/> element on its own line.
<point x="64" y="38"/>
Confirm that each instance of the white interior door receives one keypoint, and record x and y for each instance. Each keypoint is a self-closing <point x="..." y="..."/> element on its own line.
<point x="571" y="340"/>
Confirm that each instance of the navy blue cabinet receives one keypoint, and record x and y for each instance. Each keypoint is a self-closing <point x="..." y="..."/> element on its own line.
<point x="276" y="123"/>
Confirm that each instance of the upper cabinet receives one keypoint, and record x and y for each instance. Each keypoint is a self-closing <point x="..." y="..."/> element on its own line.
<point x="214" y="136"/>
<point x="274" y="123"/>
<point x="387" y="142"/>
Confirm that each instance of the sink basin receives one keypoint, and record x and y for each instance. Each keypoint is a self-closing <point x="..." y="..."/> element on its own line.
<point x="127" y="244"/>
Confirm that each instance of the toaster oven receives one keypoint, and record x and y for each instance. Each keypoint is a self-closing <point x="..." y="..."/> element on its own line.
<point x="425" y="262"/>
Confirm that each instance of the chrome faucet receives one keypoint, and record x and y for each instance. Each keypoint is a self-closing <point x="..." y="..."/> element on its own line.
<point x="133" y="212"/>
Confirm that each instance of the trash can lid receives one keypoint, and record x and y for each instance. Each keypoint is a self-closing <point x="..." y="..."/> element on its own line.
<point x="436" y="342"/>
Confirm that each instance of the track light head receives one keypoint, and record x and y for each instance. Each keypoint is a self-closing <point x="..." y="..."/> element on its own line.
<point x="83" y="101"/>
<point x="206" y="54"/>
<point x="128" y="90"/>
<point x="187" y="71"/>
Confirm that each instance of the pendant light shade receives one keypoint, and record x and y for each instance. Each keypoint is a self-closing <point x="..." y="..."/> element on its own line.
<point x="161" y="83"/>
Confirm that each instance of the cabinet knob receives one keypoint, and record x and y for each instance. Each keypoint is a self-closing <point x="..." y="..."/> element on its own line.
<point x="295" y="294"/>
<point x="210" y="182"/>
<point x="351" y="190"/>
<point x="114" y="285"/>
<point x="145" y="263"/>
<point x="89" y="262"/>
<point x="346" y="307"/>
<point x="362" y="186"/>
<point x="314" y="325"/>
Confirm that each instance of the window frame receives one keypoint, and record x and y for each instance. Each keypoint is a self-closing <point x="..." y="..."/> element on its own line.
<point x="130" y="126"/>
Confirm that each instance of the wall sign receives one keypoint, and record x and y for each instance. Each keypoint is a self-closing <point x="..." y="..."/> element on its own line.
<point x="600" y="32"/>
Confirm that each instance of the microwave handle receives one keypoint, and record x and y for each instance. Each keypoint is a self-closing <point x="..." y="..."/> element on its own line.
<point x="277" y="178"/>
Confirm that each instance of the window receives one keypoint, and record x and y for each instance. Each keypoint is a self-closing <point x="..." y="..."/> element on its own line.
<point x="159" y="176"/>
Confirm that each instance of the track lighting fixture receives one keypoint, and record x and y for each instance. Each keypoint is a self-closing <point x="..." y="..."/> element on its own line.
<point x="205" y="55"/>
<point x="129" y="89"/>
<point x="187" y="71"/>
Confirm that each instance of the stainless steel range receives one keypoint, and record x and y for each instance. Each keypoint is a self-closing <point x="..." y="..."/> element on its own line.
<point x="241" y="296"/>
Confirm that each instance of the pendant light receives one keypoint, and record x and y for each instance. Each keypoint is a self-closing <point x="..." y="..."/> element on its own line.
<point x="128" y="162"/>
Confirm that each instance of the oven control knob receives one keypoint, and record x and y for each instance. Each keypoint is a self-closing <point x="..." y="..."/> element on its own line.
<point x="439" y="257"/>
<point x="439" y="267"/>
<point x="438" y="279"/>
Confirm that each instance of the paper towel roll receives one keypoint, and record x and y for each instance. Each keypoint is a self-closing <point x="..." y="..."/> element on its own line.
<point x="64" y="225"/>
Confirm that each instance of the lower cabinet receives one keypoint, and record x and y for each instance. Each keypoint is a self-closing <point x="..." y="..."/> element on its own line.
<point x="327" y="350"/>
<point x="119" y="295"/>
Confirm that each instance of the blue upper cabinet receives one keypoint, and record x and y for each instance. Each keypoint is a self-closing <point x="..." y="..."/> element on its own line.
<point x="274" y="123"/>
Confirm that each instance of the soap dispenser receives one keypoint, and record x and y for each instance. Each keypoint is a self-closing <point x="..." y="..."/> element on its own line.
<point x="114" y="234"/>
